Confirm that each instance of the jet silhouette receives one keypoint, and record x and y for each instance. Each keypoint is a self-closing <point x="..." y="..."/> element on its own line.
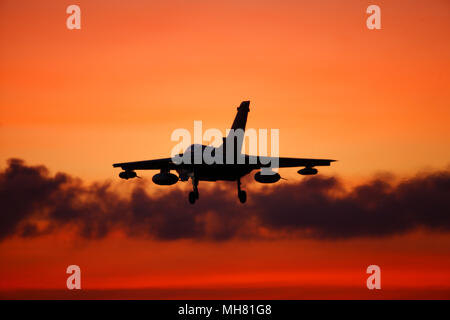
<point x="232" y="164"/>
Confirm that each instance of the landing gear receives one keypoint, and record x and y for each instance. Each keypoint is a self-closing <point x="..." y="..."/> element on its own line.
<point x="193" y="195"/>
<point x="242" y="195"/>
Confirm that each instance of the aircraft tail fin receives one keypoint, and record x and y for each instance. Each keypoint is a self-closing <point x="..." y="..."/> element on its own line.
<point x="241" y="117"/>
<point x="236" y="135"/>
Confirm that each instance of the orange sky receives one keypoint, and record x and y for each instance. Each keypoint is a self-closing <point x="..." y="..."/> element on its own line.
<point x="282" y="269"/>
<point x="79" y="100"/>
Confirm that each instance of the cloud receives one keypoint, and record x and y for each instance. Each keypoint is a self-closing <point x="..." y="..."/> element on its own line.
<point x="33" y="203"/>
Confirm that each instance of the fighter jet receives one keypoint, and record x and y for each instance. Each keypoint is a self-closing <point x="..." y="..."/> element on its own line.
<point x="229" y="165"/>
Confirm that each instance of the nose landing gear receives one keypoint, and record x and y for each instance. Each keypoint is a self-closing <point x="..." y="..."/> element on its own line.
<point x="194" y="195"/>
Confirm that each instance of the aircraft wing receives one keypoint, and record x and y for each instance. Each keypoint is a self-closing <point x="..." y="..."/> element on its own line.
<point x="260" y="162"/>
<point x="253" y="161"/>
<point x="302" y="162"/>
<point x="165" y="163"/>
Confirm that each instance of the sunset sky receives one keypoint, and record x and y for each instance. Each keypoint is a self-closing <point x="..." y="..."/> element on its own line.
<point x="76" y="101"/>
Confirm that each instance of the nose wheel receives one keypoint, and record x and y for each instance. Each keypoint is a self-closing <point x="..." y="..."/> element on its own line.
<point x="194" y="195"/>
<point x="242" y="195"/>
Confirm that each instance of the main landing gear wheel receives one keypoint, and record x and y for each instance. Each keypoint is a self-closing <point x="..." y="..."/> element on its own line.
<point x="242" y="196"/>
<point x="192" y="197"/>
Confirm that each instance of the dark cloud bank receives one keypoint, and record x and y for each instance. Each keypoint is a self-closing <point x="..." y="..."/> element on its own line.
<point x="33" y="202"/>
